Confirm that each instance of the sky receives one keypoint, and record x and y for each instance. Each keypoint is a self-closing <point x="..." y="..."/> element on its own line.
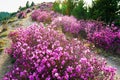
<point x="13" y="5"/>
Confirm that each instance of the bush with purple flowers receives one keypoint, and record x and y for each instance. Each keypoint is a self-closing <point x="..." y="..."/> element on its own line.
<point x="46" y="6"/>
<point x="97" y="32"/>
<point x="72" y="25"/>
<point x="41" y="16"/>
<point x="104" y="38"/>
<point x="44" y="54"/>
<point x="44" y="15"/>
<point x="69" y="24"/>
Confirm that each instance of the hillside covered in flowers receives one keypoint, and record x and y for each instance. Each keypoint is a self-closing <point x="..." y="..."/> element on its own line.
<point x="42" y="43"/>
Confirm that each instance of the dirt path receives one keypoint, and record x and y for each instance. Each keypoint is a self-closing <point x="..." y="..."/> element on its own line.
<point x="5" y="60"/>
<point x="113" y="61"/>
<point x="4" y="63"/>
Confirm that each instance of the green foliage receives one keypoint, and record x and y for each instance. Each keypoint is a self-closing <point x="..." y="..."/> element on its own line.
<point x="32" y="4"/>
<point x="117" y="20"/>
<point x="105" y="10"/>
<point x="64" y="7"/>
<point x="22" y="8"/>
<point x="70" y="6"/>
<point x="56" y="7"/>
<point x="4" y="16"/>
<point x="27" y="4"/>
<point x="80" y="11"/>
<point x="13" y="14"/>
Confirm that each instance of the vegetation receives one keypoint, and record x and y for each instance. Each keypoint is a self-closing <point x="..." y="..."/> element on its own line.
<point x="44" y="54"/>
<point x="4" y="16"/>
<point x="44" y="51"/>
<point x="80" y="11"/>
<point x="103" y="10"/>
<point x="26" y="6"/>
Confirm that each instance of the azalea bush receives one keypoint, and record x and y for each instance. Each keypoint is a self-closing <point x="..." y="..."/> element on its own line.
<point x="68" y="23"/>
<point x="46" y="6"/>
<point x="104" y="38"/>
<point x="44" y="54"/>
<point x="41" y="16"/>
<point x="72" y="25"/>
<point x="90" y="26"/>
<point x="44" y="15"/>
<point x="107" y="38"/>
<point x="102" y="35"/>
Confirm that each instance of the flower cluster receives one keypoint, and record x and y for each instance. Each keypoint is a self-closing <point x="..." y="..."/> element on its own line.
<point x="107" y="38"/>
<point x="104" y="38"/>
<point x="102" y="35"/>
<point x="69" y="24"/>
<point x="44" y="54"/>
<point x="45" y="6"/>
<point x="90" y="26"/>
<point x="97" y="32"/>
<point x="44" y="15"/>
<point x="21" y="14"/>
<point x="41" y="16"/>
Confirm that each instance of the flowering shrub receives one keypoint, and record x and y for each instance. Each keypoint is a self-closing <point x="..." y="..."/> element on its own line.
<point x="44" y="54"/>
<point x="44" y="5"/>
<point x="72" y="25"/>
<point x="118" y="35"/>
<point x="117" y="42"/>
<point x="41" y="16"/>
<point x="44" y="15"/>
<point x="21" y="14"/>
<point x="91" y="26"/>
<point x="104" y="38"/>
<point x="95" y="31"/>
<point x="69" y="24"/>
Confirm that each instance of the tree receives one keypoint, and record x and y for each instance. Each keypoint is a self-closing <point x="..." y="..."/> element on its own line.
<point x="70" y="6"/>
<point x="32" y="4"/>
<point x="105" y="10"/>
<point x="27" y="4"/>
<point x="80" y="11"/>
